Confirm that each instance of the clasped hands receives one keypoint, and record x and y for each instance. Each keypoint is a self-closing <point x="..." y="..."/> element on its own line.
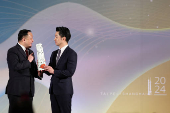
<point x="46" y="68"/>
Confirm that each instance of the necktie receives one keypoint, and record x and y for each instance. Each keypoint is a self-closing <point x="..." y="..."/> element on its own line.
<point x="26" y="51"/>
<point x="58" y="56"/>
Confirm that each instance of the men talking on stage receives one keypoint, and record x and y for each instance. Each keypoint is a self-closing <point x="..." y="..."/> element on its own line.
<point x="22" y="71"/>
<point x="62" y="66"/>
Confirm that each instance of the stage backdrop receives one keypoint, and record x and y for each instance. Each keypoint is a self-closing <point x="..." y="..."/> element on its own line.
<point x="123" y="51"/>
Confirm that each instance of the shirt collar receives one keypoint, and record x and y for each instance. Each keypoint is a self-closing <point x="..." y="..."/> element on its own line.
<point x="63" y="48"/>
<point x="22" y="46"/>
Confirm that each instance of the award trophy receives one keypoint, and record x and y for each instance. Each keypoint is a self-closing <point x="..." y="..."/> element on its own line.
<point x="40" y="57"/>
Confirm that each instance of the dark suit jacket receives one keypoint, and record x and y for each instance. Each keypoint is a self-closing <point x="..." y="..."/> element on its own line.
<point x="21" y="72"/>
<point x="61" y="81"/>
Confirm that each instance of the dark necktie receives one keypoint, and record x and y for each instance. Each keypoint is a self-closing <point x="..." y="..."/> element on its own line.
<point x="58" y="56"/>
<point x="26" y="51"/>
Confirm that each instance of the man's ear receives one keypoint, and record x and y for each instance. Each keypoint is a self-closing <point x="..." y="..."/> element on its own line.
<point x="64" y="38"/>
<point x="23" y="39"/>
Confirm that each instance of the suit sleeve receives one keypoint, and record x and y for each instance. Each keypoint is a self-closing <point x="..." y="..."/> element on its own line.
<point x="15" y="63"/>
<point x="71" y="67"/>
<point x="35" y="69"/>
<point x="50" y="64"/>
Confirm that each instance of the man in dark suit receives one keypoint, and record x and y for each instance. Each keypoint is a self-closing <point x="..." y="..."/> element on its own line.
<point x="62" y="67"/>
<point x="22" y="70"/>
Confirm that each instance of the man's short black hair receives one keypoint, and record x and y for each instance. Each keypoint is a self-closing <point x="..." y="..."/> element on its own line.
<point x="64" y="32"/>
<point x="22" y="33"/>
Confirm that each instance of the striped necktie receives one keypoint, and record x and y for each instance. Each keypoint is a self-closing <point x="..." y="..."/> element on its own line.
<point x="58" y="56"/>
<point x="26" y="51"/>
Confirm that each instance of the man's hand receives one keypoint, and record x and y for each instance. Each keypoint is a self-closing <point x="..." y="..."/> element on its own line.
<point x="30" y="57"/>
<point x="49" y="69"/>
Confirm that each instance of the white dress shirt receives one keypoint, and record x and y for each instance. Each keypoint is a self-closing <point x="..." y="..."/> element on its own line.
<point x="22" y="47"/>
<point x="62" y="50"/>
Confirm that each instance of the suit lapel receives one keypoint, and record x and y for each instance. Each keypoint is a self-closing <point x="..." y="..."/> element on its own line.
<point x="54" y="58"/>
<point x="63" y="55"/>
<point x="30" y="51"/>
<point x="21" y="50"/>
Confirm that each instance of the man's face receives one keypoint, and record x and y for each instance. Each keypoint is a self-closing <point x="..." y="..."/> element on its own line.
<point x="29" y="40"/>
<point x="58" y="40"/>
